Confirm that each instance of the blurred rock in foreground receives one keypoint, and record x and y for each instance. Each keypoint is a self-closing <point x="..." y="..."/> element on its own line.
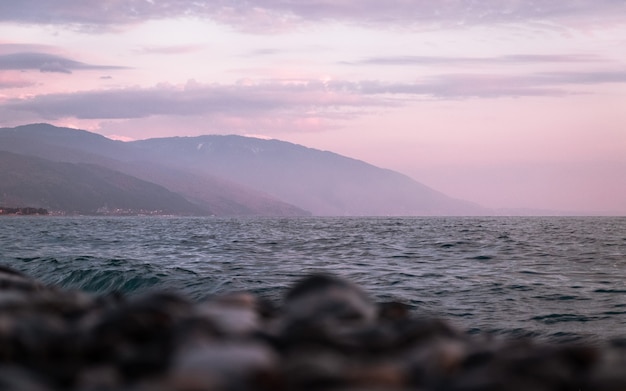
<point x="327" y="335"/>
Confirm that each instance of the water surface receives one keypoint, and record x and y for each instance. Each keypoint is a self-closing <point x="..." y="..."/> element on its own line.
<point x="553" y="278"/>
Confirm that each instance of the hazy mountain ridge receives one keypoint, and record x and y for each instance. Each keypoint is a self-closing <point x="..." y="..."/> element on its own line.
<point x="320" y="181"/>
<point x="214" y="196"/>
<point x="236" y="175"/>
<point x="83" y="188"/>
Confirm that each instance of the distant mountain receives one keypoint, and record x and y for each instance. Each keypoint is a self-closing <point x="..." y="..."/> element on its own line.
<point x="213" y="195"/>
<point x="323" y="182"/>
<point x="234" y="175"/>
<point x="82" y="188"/>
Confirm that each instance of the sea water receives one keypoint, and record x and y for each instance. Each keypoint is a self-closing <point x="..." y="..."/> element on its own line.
<point x="552" y="278"/>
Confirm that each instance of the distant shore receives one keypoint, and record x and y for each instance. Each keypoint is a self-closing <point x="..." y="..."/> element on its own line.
<point x="23" y="210"/>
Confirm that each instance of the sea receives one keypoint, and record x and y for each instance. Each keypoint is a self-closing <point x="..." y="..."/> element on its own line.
<point x="558" y="279"/>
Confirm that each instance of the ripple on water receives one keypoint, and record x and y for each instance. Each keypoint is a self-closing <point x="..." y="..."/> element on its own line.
<point x="513" y="275"/>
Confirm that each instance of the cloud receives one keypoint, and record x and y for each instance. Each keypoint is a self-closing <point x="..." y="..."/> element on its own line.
<point x="500" y="60"/>
<point x="277" y="15"/>
<point x="45" y="62"/>
<point x="119" y="137"/>
<point x="12" y="47"/>
<point x="300" y="98"/>
<point x="460" y="86"/>
<point x="192" y="99"/>
<point x="13" y="81"/>
<point x="464" y="86"/>
<point x="263" y="52"/>
<point x="172" y="49"/>
<point x="583" y="77"/>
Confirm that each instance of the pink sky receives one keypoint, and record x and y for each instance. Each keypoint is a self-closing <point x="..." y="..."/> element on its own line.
<point x="510" y="104"/>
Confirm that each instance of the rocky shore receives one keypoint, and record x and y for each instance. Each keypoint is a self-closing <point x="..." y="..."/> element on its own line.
<point x="327" y="334"/>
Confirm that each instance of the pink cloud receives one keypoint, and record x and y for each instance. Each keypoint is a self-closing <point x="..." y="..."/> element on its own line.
<point x="13" y="80"/>
<point x="331" y="99"/>
<point x="193" y="99"/>
<point x="277" y="15"/>
<point x="45" y="62"/>
<point x="428" y="61"/>
<point x="171" y="49"/>
<point x="120" y="138"/>
<point x="11" y="47"/>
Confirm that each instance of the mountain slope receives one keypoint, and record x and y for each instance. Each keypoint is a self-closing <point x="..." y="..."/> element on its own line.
<point x="215" y="195"/>
<point x="82" y="188"/>
<point x="322" y="182"/>
<point x="235" y="175"/>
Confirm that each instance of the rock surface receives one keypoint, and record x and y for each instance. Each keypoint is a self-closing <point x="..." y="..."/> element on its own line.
<point x="327" y="335"/>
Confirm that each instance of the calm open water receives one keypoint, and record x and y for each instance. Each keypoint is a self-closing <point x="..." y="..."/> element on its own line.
<point x="549" y="277"/>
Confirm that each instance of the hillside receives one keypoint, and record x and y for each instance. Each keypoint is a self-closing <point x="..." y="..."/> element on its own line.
<point x="322" y="182"/>
<point x="83" y="188"/>
<point x="213" y="195"/>
<point x="235" y="175"/>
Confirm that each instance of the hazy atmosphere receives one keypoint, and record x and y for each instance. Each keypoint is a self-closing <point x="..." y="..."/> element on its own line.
<point x="509" y="104"/>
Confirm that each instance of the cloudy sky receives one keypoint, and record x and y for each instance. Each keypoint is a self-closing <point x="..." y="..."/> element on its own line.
<point x="508" y="103"/>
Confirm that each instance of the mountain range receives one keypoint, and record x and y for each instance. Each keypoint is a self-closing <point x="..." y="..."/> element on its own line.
<point x="75" y="171"/>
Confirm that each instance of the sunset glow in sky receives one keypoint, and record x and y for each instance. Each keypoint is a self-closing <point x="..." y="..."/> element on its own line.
<point x="507" y="103"/>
